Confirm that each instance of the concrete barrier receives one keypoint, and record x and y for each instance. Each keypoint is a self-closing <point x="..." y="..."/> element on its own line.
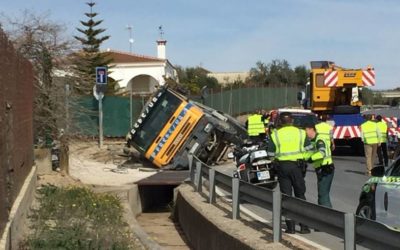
<point x="209" y="227"/>
<point x="16" y="226"/>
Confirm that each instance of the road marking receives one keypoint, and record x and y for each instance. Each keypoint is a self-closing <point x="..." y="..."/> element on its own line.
<point x="253" y="215"/>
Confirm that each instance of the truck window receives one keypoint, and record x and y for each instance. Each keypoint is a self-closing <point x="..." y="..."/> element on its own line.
<point x="157" y="118"/>
<point x="320" y="80"/>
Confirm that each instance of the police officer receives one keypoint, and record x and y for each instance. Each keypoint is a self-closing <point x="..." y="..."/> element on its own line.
<point x="325" y="130"/>
<point x="288" y="144"/>
<point x="255" y="127"/>
<point x="321" y="157"/>
<point x="371" y="138"/>
<point x="382" y="149"/>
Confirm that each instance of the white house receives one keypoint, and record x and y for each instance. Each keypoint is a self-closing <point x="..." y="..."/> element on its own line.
<point x="140" y="73"/>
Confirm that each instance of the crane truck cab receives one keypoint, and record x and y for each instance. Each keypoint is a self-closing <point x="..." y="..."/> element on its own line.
<point x="336" y="92"/>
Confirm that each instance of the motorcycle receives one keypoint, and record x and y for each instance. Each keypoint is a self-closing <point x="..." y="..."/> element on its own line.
<point x="254" y="165"/>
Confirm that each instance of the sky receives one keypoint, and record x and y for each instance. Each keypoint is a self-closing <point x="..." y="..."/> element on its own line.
<point x="231" y="36"/>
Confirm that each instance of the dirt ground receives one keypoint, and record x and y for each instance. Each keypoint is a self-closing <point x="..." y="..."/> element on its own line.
<point x="106" y="166"/>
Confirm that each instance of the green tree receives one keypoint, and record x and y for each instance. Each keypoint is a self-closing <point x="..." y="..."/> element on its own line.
<point x="90" y="56"/>
<point x="277" y="73"/>
<point x="280" y="73"/>
<point x="258" y="74"/>
<point x="195" y="78"/>
<point x="302" y="75"/>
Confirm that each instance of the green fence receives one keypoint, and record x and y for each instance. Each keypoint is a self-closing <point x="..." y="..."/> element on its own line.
<point x="116" y="118"/>
<point x="116" y="110"/>
<point x="245" y="100"/>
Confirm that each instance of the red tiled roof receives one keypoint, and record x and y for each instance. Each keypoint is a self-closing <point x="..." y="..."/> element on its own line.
<point x="125" y="57"/>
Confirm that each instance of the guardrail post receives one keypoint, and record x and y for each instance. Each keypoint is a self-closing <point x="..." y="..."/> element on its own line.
<point x="276" y="215"/>
<point x="349" y="231"/>
<point x="235" y="198"/>
<point x="211" y="196"/>
<point x="191" y="170"/>
<point x="198" y="179"/>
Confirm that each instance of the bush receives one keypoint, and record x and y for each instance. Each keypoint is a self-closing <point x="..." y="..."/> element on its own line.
<point x="77" y="218"/>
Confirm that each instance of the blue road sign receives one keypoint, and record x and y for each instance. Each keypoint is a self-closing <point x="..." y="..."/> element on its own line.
<point x="101" y="75"/>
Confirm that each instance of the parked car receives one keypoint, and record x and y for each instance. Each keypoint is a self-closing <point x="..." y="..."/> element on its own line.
<point x="380" y="196"/>
<point x="301" y="117"/>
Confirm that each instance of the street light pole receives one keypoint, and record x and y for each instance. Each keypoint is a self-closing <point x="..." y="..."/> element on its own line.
<point x="129" y="28"/>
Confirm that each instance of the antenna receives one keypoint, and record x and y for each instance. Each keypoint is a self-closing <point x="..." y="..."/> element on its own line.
<point x="160" y="29"/>
<point x="129" y="28"/>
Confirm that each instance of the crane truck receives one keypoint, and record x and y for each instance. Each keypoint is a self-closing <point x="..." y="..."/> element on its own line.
<point x="337" y="92"/>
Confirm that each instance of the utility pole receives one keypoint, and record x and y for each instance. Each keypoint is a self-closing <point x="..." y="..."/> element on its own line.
<point x="129" y="28"/>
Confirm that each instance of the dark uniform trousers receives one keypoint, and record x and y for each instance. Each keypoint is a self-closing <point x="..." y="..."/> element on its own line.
<point x="324" y="185"/>
<point x="290" y="178"/>
<point x="382" y="154"/>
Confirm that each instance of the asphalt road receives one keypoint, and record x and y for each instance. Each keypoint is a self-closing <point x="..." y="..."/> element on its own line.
<point x="346" y="187"/>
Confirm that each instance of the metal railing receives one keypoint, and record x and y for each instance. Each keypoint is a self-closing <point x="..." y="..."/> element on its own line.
<point x="353" y="229"/>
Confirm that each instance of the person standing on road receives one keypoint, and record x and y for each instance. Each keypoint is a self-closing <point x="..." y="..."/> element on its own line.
<point x="371" y="138"/>
<point x="382" y="149"/>
<point x="325" y="130"/>
<point x="255" y="127"/>
<point x="321" y="157"/>
<point x="289" y="144"/>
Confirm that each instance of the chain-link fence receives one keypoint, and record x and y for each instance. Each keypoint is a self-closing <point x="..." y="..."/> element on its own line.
<point x="16" y="138"/>
<point x="246" y="100"/>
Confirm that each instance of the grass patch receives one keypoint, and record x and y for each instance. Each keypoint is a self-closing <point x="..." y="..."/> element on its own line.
<point x="77" y="218"/>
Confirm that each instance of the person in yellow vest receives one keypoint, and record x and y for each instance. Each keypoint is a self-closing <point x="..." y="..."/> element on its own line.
<point x="371" y="138"/>
<point x="321" y="157"/>
<point x="382" y="149"/>
<point x="325" y="130"/>
<point x="256" y="127"/>
<point x="288" y="144"/>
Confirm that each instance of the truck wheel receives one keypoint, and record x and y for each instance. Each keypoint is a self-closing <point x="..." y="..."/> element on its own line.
<point x="346" y="109"/>
<point x="358" y="146"/>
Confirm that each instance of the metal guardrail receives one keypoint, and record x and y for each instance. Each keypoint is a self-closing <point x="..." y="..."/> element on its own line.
<point x="353" y="229"/>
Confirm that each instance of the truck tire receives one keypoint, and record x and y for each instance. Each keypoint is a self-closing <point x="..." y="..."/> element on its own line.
<point x="346" y="109"/>
<point x="357" y="146"/>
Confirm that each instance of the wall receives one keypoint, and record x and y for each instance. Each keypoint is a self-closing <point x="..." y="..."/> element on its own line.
<point x="16" y="136"/>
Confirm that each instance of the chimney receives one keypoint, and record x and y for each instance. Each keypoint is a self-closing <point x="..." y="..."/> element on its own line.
<point x="161" y="49"/>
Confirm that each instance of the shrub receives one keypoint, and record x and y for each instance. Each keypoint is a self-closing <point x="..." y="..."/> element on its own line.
<point x="77" y="218"/>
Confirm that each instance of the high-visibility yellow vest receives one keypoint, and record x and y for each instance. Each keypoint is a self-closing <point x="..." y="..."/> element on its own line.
<point x="383" y="129"/>
<point x="255" y="126"/>
<point x="370" y="132"/>
<point x="324" y="130"/>
<point x="289" y="143"/>
<point x="321" y="159"/>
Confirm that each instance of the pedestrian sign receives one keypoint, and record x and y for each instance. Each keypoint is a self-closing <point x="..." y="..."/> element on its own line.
<point x="101" y="75"/>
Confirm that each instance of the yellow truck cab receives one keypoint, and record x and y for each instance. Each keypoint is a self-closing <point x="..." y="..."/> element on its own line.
<point x="336" y="92"/>
<point x="170" y="126"/>
<point x="336" y="89"/>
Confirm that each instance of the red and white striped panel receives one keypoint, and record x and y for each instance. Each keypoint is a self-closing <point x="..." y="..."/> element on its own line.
<point x="391" y="121"/>
<point x="392" y="131"/>
<point x="341" y="132"/>
<point x="331" y="78"/>
<point x="368" y="78"/>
